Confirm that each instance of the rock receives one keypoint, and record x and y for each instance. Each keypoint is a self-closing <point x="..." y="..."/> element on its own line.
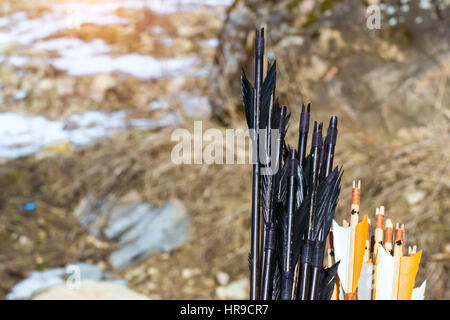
<point x="187" y="273"/>
<point x="236" y="290"/>
<point x="91" y="290"/>
<point x="152" y="272"/>
<point x="162" y="231"/>
<point x="222" y="278"/>
<point x="292" y="41"/>
<point x="101" y="84"/>
<point x="90" y="212"/>
<point x="331" y="36"/>
<point x="96" y="214"/>
<point x="126" y="217"/>
<point x="25" y="241"/>
<point x="414" y="196"/>
<point x="139" y="228"/>
<point x="447" y="248"/>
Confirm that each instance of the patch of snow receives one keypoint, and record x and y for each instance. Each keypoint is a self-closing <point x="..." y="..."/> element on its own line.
<point x="20" y="95"/>
<point x="93" y="125"/>
<point x="194" y="106"/>
<point x="390" y="10"/>
<point x="37" y="281"/>
<point x="167" y="41"/>
<point x="21" y="135"/>
<point x="393" y="21"/>
<point x="73" y="47"/>
<point x="18" y="61"/>
<point x="209" y="43"/>
<point x="24" y="135"/>
<point x="79" y="58"/>
<point x="202" y="72"/>
<point x="163" y="121"/>
<point x="26" y="31"/>
<point x="425" y="4"/>
<point x="140" y="66"/>
<point x="158" y="105"/>
<point x="155" y="30"/>
<point x="4" y="21"/>
<point x="72" y="15"/>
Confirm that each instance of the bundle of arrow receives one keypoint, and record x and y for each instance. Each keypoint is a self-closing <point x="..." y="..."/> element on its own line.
<point x="373" y="267"/>
<point x="294" y="198"/>
<point x="296" y="195"/>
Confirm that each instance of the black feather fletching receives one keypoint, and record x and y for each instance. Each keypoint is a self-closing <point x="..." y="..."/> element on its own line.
<point x="275" y="117"/>
<point x="300" y="223"/>
<point x="282" y="187"/>
<point x="248" y="99"/>
<point x="327" y="281"/>
<point x="300" y="226"/>
<point x="286" y="151"/>
<point x="327" y="197"/>
<point x="266" y="95"/>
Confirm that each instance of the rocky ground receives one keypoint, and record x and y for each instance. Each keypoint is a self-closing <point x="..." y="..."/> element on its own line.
<point x="391" y="130"/>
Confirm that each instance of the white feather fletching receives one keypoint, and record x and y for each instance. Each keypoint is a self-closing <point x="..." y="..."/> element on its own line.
<point x="365" y="283"/>
<point x="385" y="274"/>
<point x="419" y="293"/>
<point x="341" y="241"/>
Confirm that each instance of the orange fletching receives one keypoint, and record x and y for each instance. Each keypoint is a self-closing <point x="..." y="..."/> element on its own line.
<point x="409" y="265"/>
<point x="360" y="247"/>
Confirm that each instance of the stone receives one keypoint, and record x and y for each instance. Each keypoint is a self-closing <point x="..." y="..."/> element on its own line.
<point x="100" y="215"/>
<point x="127" y="217"/>
<point x="414" y="196"/>
<point x="152" y="271"/>
<point x="101" y="84"/>
<point x="92" y="213"/>
<point x="25" y="241"/>
<point x="188" y="273"/>
<point x="162" y="231"/>
<point x="222" y="278"/>
<point x="139" y="228"/>
<point x="236" y="290"/>
<point x="329" y="42"/>
<point x="91" y="290"/>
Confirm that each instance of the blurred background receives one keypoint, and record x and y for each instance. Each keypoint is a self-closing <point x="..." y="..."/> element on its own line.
<point x="90" y="92"/>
